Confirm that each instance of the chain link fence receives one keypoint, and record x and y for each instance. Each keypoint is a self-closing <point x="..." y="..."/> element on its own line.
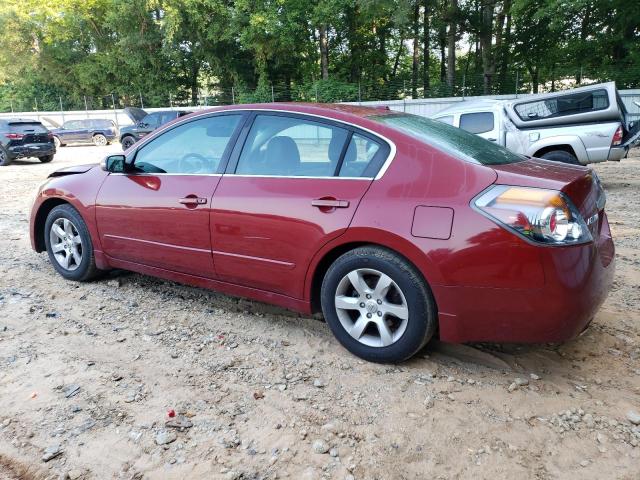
<point x="324" y="91"/>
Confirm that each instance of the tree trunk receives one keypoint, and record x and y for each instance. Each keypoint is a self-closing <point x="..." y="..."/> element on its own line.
<point x="324" y="52"/>
<point x="451" y="44"/>
<point x="416" y="50"/>
<point x="425" y="49"/>
<point x="442" y="41"/>
<point x="506" y="45"/>
<point x="354" y="44"/>
<point x="486" y="37"/>
<point x="396" y="62"/>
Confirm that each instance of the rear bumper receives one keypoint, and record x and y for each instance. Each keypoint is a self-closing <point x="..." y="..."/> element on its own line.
<point x="577" y="281"/>
<point x="617" y="153"/>
<point x="31" y="150"/>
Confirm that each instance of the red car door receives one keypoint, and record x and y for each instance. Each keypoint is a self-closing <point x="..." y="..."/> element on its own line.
<point x="296" y="184"/>
<point x="158" y="214"/>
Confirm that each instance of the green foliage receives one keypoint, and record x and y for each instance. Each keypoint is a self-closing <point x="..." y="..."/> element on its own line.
<point x="157" y="51"/>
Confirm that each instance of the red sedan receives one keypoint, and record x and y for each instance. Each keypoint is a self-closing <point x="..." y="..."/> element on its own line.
<point x="395" y="226"/>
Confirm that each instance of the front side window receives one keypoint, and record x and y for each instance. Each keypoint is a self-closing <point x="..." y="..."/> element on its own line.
<point x="562" y="105"/>
<point x="195" y="147"/>
<point x="480" y="122"/>
<point x="289" y="146"/>
<point x="452" y="140"/>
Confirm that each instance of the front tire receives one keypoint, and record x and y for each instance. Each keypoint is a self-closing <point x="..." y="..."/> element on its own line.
<point x="4" y="157"/>
<point x="561" y="156"/>
<point x="127" y="142"/>
<point x="378" y="305"/>
<point x="99" y="140"/>
<point x="57" y="142"/>
<point x="46" y="159"/>
<point x="69" y="244"/>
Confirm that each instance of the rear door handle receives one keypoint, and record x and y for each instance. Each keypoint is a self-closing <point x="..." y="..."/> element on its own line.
<point x="329" y="202"/>
<point x="193" y="200"/>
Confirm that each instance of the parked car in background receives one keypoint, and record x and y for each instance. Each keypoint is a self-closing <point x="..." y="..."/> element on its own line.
<point x="580" y="126"/>
<point x="98" y="131"/>
<point x="22" y="137"/>
<point x="144" y="123"/>
<point x="394" y="226"/>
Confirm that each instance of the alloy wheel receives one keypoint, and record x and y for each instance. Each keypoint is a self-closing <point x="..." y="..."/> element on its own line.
<point x="371" y="307"/>
<point x="66" y="244"/>
<point x="100" y="140"/>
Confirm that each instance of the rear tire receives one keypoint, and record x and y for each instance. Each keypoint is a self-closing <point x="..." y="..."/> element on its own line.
<point x="127" y="142"/>
<point x="46" y="159"/>
<point x="99" y="140"/>
<point x="379" y="322"/>
<point x="4" y="157"/>
<point x="69" y="244"/>
<point x="561" y="156"/>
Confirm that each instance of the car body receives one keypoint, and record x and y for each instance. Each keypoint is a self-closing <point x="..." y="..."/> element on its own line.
<point x="581" y="126"/>
<point x="145" y="123"/>
<point x="98" y="131"/>
<point x="23" y="137"/>
<point x="282" y="203"/>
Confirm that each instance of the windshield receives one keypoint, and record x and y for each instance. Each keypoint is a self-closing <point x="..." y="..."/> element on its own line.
<point x="450" y="139"/>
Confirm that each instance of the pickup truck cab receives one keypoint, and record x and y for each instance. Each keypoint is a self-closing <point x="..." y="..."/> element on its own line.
<point x="580" y="126"/>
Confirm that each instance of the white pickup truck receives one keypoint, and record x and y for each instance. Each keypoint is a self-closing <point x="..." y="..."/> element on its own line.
<point x="580" y="126"/>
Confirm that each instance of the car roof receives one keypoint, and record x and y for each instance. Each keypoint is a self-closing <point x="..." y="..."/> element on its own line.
<point x="19" y="120"/>
<point x="331" y="110"/>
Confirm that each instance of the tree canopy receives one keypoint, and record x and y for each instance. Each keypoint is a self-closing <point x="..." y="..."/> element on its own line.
<point x="157" y="52"/>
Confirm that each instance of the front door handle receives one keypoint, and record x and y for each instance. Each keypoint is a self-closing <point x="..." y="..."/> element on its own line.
<point x="330" y="203"/>
<point x="193" y="200"/>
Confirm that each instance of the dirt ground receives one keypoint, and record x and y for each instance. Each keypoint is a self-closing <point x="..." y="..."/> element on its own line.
<point x="88" y="373"/>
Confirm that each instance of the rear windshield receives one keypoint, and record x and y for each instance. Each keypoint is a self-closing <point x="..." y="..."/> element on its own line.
<point x="27" y="127"/>
<point x="450" y="139"/>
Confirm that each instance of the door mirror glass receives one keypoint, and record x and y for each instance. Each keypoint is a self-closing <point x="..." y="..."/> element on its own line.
<point x="114" y="164"/>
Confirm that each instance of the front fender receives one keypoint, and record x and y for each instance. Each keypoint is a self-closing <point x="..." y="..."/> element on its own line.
<point x="78" y="190"/>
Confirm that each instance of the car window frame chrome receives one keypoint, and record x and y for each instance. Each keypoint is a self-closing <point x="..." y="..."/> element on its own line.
<point x="249" y="114"/>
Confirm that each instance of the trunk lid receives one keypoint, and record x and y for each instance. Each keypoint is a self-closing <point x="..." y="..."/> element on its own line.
<point x="576" y="182"/>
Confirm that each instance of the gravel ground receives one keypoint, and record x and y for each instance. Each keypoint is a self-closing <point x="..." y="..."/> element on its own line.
<point x="89" y="373"/>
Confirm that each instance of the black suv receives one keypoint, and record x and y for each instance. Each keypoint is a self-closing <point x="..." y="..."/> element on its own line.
<point x="144" y="123"/>
<point x="21" y="137"/>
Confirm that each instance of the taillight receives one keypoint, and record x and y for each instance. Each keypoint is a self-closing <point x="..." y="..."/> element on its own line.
<point x="617" y="137"/>
<point x="544" y="216"/>
<point x="14" y="136"/>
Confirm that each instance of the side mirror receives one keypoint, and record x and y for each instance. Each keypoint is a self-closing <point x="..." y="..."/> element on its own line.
<point x="142" y="124"/>
<point x="114" y="164"/>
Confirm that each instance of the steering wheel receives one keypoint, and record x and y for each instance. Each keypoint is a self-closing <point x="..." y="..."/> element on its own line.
<point x="193" y="163"/>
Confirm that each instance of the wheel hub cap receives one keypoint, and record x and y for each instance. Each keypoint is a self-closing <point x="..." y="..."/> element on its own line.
<point x="371" y="307"/>
<point x="66" y="244"/>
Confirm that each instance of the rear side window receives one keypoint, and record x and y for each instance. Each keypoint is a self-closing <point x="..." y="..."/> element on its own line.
<point x="290" y="146"/>
<point x="102" y="124"/>
<point x="452" y="140"/>
<point x="480" y="122"/>
<point x="27" y="127"/>
<point x="360" y="153"/>
<point x="568" y="104"/>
